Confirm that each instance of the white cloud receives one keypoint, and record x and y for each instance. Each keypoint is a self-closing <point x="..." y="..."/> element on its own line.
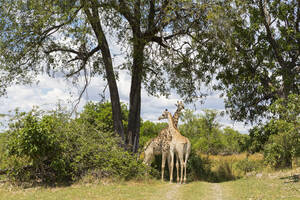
<point x="49" y="91"/>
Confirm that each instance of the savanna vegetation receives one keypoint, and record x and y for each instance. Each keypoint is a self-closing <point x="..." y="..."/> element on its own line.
<point x="51" y="147"/>
<point x="248" y="51"/>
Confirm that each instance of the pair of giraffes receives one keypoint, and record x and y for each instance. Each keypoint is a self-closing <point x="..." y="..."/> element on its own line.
<point x="168" y="143"/>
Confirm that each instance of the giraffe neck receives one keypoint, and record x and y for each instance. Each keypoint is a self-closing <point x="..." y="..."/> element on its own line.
<point x="176" y="117"/>
<point x="171" y="122"/>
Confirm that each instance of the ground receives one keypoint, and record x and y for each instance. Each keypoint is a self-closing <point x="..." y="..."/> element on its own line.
<point x="266" y="186"/>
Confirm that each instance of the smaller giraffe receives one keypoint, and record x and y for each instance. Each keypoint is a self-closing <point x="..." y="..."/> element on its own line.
<point x="156" y="146"/>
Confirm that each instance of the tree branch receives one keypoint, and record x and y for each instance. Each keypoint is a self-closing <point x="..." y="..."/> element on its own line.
<point x="270" y="37"/>
<point x="151" y="15"/>
<point x="48" y="32"/>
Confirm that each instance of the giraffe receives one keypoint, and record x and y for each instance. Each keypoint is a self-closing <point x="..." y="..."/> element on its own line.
<point x="179" y="145"/>
<point x="160" y="144"/>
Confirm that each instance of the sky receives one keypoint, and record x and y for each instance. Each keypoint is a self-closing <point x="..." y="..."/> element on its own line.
<point x="49" y="91"/>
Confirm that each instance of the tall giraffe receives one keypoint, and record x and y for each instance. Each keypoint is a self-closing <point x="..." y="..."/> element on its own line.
<point x="160" y="144"/>
<point x="179" y="145"/>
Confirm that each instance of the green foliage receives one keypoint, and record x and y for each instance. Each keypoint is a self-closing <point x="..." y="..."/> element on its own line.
<point x="234" y="141"/>
<point x="252" y="49"/>
<point x="282" y="147"/>
<point x="207" y="136"/>
<point x="247" y="165"/>
<point x="50" y="147"/>
<point x="279" y="138"/>
<point x="259" y="135"/>
<point x="3" y="141"/>
<point x="37" y="139"/>
<point x="99" y="115"/>
<point x="198" y="168"/>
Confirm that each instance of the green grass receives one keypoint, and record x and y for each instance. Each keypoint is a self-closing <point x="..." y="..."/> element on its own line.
<point x="269" y="186"/>
<point x="266" y="188"/>
<point x="197" y="190"/>
<point x="128" y="190"/>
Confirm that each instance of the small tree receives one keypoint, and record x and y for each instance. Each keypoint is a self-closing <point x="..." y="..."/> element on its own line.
<point x="283" y="146"/>
<point x="99" y="116"/>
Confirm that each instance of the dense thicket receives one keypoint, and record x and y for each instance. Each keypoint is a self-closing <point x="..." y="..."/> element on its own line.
<point x="279" y="137"/>
<point x="51" y="147"/>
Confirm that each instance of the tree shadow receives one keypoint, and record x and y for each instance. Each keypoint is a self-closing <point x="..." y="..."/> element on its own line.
<point x="291" y="179"/>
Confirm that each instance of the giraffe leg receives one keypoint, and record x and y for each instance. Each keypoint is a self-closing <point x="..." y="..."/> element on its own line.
<point x="163" y="162"/>
<point x="185" y="164"/>
<point x="172" y="166"/>
<point x="169" y="163"/>
<point x="187" y="153"/>
<point x="180" y="156"/>
<point x="177" y="167"/>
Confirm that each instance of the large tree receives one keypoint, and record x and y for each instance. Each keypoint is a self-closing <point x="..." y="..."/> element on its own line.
<point x="250" y="52"/>
<point x="70" y="36"/>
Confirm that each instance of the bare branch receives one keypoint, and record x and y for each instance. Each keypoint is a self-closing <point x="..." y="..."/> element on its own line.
<point x="83" y="66"/>
<point x="62" y="49"/>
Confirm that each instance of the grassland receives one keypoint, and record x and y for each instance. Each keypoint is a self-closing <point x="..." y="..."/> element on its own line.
<point x="266" y="186"/>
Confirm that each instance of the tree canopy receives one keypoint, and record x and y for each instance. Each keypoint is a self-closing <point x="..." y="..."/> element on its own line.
<point x="253" y="53"/>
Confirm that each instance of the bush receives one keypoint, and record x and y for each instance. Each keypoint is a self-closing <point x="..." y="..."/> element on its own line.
<point x="51" y="148"/>
<point x="247" y="165"/>
<point x="37" y="141"/>
<point x="281" y="149"/>
<point x="279" y="139"/>
<point x="99" y="115"/>
<point x="198" y="168"/>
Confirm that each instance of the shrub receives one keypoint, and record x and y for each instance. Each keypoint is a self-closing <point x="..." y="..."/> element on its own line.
<point x="279" y="138"/>
<point x="198" y="168"/>
<point x="247" y="165"/>
<point x="35" y="145"/>
<point x="281" y="149"/>
<point x="99" y="115"/>
<point x="51" y="148"/>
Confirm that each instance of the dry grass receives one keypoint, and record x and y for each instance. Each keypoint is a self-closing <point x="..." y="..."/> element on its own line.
<point x="224" y="168"/>
<point x="237" y="157"/>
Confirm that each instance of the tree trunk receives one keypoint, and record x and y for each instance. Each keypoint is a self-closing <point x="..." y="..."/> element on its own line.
<point x="134" y="119"/>
<point x="94" y="20"/>
<point x="113" y="90"/>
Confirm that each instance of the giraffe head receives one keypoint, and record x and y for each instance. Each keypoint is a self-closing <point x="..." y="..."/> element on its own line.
<point x="179" y="106"/>
<point x="164" y="115"/>
<point x="148" y="153"/>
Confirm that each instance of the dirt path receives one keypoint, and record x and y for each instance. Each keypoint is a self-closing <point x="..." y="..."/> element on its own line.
<point x="217" y="191"/>
<point x="172" y="192"/>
